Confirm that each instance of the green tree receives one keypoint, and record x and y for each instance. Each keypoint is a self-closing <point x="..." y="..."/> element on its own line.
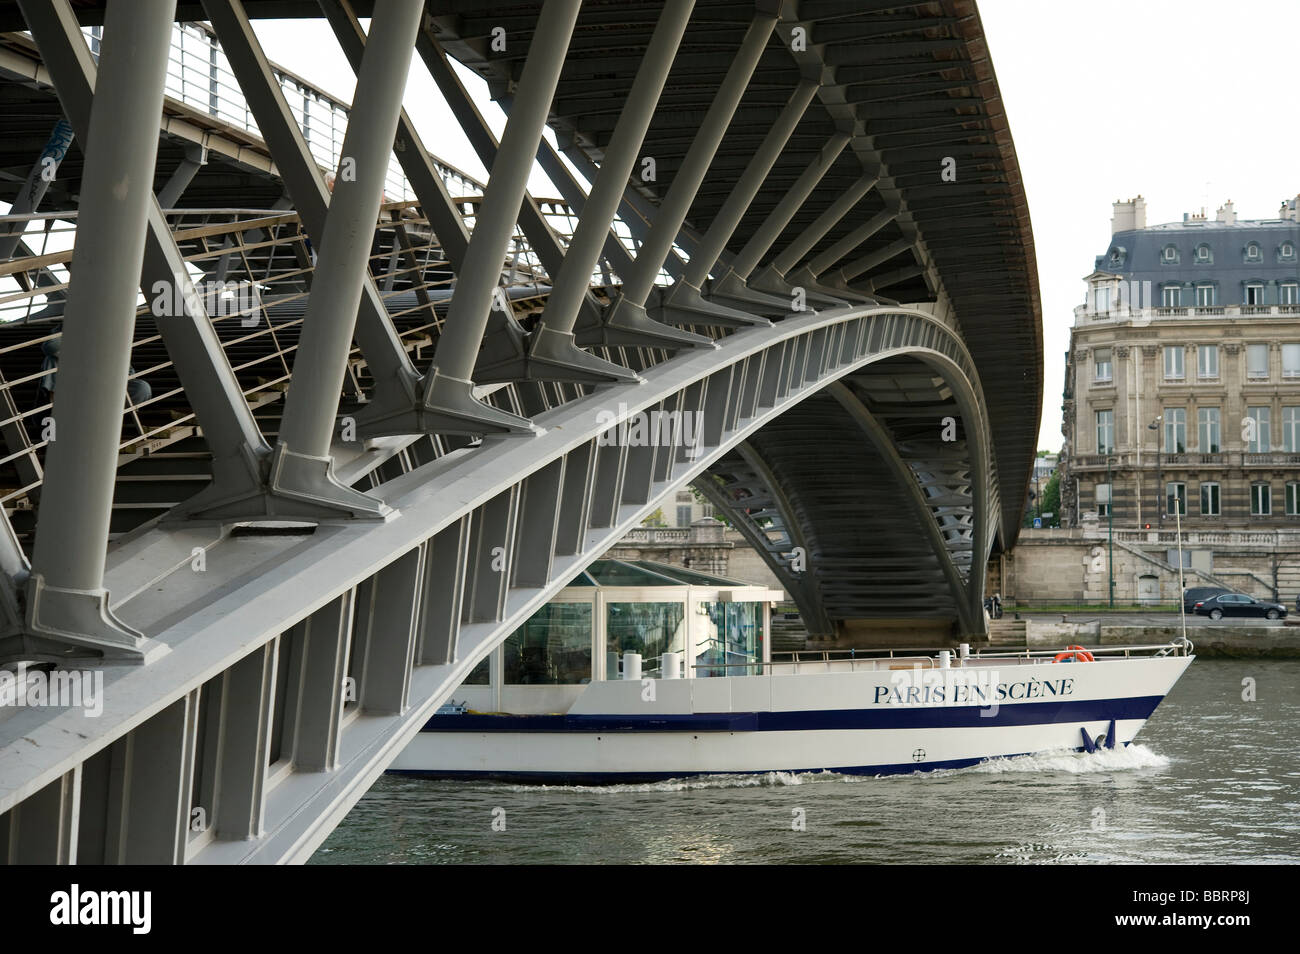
<point x="1052" y="501"/>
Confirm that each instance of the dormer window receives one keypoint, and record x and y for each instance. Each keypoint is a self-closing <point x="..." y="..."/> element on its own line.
<point x="1203" y="254"/>
<point x="1252" y="252"/>
<point x="1116" y="256"/>
<point x="1101" y="298"/>
<point x="1286" y="252"/>
<point x="1169" y="255"/>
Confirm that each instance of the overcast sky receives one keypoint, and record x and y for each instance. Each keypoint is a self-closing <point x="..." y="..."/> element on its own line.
<point x="1186" y="102"/>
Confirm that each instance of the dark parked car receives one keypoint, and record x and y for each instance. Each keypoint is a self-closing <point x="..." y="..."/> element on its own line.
<point x="1238" y="604"/>
<point x="1197" y="593"/>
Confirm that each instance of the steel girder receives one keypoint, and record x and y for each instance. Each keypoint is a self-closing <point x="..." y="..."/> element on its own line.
<point x="405" y="608"/>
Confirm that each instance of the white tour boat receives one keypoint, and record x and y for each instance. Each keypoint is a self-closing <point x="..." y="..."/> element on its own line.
<point x="538" y="710"/>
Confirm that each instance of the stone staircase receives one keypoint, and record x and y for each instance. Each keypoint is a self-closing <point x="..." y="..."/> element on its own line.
<point x="788" y="633"/>
<point x="1008" y="633"/>
<point x="1288" y="581"/>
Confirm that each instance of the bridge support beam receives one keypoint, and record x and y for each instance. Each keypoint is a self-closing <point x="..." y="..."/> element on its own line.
<point x="629" y="308"/>
<point x="449" y="388"/>
<point x="303" y="467"/>
<point x="239" y="452"/>
<point x="396" y="380"/>
<point x="446" y="220"/>
<point x="773" y="277"/>
<point x="853" y="269"/>
<point x="554" y="338"/>
<point x="507" y="353"/>
<point x="732" y="284"/>
<point x="820" y="263"/>
<point x="686" y="294"/>
<point x="636" y="210"/>
<point x="67" y="605"/>
<point x="614" y="252"/>
<point x="196" y="157"/>
<point x="435" y="200"/>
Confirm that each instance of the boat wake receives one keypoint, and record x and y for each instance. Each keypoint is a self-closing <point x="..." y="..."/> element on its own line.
<point x="1076" y="763"/>
<point x="765" y="779"/>
<point x="1133" y="756"/>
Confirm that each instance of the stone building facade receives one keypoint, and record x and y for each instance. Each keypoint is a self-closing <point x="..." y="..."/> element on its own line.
<point x="1183" y="376"/>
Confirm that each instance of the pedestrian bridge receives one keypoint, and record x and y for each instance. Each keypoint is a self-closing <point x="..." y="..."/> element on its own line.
<point x="386" y="415"/>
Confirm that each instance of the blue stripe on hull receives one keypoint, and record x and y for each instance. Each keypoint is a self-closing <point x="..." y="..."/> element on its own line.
<point x="903" y="717"/>
<point x="634" y="778"/>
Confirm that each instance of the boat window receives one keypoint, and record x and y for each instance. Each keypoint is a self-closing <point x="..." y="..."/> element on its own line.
<point x="480" y="674"/>
<point x="552" y="648"/>
<point x="650" y="629"/>
<point x="728" y="639"/>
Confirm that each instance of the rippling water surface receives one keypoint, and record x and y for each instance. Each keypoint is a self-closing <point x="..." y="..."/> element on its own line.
<point x="1213" y="778"/>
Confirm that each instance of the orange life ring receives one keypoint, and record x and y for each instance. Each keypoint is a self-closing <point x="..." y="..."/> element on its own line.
<point x="1074" y="654"/>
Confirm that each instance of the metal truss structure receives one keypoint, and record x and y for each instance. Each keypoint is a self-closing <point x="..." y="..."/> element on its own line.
<point x="377" y="412"/>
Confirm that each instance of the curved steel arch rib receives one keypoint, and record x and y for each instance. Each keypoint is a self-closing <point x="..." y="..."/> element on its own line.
<point x="743" y="487"/>
<point x="479" y="539"/>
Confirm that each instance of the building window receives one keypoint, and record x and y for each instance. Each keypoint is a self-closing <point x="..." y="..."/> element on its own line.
<point x="1105" y="432"/>
<point x="1171" y="296"/>
<point x="1256" y="428"/>
<point x="1254" y="294"/>
<point x="1207" y="429"/>
<point x="1293" y="498"/>
<point x="1175" y="430"/>
<point x="1261" y="500"/>
<point x="1170" y="255"/>
<point x="1203" y="255"/>
<point x="1207" y="361"/>
<point x="1286" y="252"/>
<point x="1291" y="429"/>
<point x="1291" y="361"/>
<point x="1176" y="498"/>
<point x="1101" y="299"/>
<point x="1209" y="500"/>
<point x="1103" y="500"/>
<point x="1205" y="296"/>
<point x="1288" y="293"/>
<point x="1101" y="364"/>
<point x="1257" y="362"/>
<point x="683" y="515"/>
<point x="1174" y="364"/>
<point x="1252" y="252"/>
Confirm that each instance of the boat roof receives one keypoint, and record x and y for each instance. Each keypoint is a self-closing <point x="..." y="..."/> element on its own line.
<point x="645" y="573"/>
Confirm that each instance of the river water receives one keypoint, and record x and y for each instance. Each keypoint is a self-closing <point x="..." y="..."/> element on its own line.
<point x="1212" y="778"/>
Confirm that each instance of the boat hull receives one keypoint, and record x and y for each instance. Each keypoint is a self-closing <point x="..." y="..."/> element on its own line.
<point x="887" y="728"/>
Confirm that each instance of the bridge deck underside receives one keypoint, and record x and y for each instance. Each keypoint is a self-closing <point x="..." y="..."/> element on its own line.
<point x="865" y="553"/>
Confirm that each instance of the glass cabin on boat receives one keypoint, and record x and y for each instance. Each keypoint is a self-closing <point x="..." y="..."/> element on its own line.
<point x="618" y="618"/>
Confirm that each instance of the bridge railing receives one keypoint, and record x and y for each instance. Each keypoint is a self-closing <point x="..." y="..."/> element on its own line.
<point x="199" y="76"/>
